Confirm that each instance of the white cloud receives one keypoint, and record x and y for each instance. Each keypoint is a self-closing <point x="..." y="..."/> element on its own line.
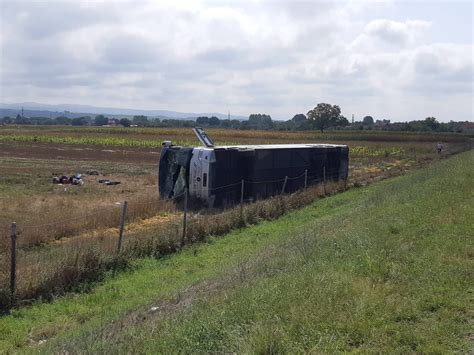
<point x="394" y="32"/>
<point x="280" y="57"/>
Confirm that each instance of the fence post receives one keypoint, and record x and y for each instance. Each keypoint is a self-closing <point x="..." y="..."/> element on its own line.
<point x="242" y="199"/>
<point x="324" y="180"/>
<point x="284" y="185"/>
<point x="305" y="178"/>
<point x="183" y="239"/>
<point x="13" y="264"/>
<point x="122" y="225"/>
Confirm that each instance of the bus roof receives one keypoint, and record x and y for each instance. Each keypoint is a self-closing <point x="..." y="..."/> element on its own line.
<point x="273" y="146"/>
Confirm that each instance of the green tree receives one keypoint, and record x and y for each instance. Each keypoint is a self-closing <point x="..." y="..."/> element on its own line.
<point x="235" y="124"/>
<point x="7" y="120"/>
<point x="226" y="124"/>
<point x="22" y="120"/>
<point x="42" y="121"/>
<point x="299" y="119"/>
<point x="80" y="121"/>
<point x="431" y="123"/>
<point x="260" y="121"/>
<point x="125" y="122"/>
<point x="140" y="120"/>
<point x="325" y="115"/>
<point x="342" y="122"/>
<point x="101" y="120"/>
<point x="202" y="121"/>
<point x="368" y="121"/>
<point x="214" y="121"/>
<point x="62" y="120"/>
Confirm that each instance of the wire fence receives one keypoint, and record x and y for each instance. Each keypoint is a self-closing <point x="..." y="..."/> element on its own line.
<point x="30" y="270"/>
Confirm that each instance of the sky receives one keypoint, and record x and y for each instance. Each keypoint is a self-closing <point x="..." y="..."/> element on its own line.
<point x="392" y="60"/>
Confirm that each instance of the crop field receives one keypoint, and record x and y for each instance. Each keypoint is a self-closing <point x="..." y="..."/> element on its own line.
<point x="67" y="234"/>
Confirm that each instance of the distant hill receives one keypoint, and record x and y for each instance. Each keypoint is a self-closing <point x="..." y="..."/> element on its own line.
<point x="70" y="110"/>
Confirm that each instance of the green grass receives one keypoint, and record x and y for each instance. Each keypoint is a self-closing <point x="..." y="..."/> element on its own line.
<point x="385" y="268"/>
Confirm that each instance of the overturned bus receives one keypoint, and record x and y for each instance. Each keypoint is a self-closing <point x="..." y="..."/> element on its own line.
<point x="222" y="175"/>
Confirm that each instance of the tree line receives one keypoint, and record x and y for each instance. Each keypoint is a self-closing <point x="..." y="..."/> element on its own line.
<point x="322" y="117"/>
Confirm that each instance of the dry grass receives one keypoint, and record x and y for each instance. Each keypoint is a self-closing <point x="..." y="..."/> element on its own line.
<point x="72" y="263"/>
<point x="68" y="238"/>
<point x="61" y="219"/>
<point x="322" y="276"/>
<point x="68" y="266"/>
<point x="45" y="212"/>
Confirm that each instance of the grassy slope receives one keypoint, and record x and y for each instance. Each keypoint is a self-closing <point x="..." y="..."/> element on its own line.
<point x="382" y="268"/>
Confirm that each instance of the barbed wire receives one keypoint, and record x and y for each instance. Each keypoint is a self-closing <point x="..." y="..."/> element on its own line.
<point x="82" y="216"/>
<point x="297" y="177"/>
<point x="87" y="215"/>
<point x="148" y="203"/>
<point x="258" y="182"/>
<point x="191" y="218"/>
<point x="226" y="186"/>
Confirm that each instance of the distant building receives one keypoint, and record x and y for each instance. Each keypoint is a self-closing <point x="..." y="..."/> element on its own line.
<point x="466" y="127"/>
<point x="113" y="122"/>
<point x="397" y="126"/>
<point x="381" y="124"/>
